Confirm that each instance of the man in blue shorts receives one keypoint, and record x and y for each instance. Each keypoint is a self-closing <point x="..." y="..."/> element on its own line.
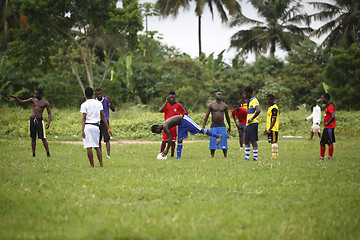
<point x="252" y="124"/>
<point x="185" y="124"/>
<point x="218" y="109"/>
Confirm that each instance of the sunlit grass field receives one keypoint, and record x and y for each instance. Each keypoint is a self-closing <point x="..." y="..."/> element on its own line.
<point x="136" y="196"/>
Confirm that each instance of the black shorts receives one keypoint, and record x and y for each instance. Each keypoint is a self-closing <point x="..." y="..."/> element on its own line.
<point x="328" y="136"/>
<point x="104" y="132"/>
<point x="251" y="132"/>
<point x="273" y="136"/>
<point x="37" y="126"/>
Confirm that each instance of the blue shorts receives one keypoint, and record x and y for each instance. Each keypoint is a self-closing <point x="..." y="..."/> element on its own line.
<point x="223" y="142"/>
<point x="251" y="132"/>
<point x="187" y="125"/>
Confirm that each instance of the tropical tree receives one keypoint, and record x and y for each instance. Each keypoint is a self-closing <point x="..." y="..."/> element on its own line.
<point x="172" y="7"/>
<point x="280" y="27"/>
<point x="83" y="28"/>
<point x="344" y="24"/>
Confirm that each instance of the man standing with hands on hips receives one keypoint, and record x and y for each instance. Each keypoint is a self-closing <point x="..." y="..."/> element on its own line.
<point x="106" y="102"/>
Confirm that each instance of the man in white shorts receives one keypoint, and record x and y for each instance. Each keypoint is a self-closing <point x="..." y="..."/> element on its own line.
<point x="92" y="111"/>
<point x="316" y="116"/>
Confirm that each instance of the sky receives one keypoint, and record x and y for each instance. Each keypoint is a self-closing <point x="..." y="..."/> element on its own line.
<point x="182" y="31"/>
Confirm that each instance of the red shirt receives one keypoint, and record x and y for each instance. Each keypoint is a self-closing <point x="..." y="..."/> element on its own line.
<point x="328" y="110"/>
<point x="173" y="110"/>
<point x="241" y="115"/>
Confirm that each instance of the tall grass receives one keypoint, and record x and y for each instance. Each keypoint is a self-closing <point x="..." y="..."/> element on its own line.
<point x="136" y="196"/>
<point x="135" y="123"/>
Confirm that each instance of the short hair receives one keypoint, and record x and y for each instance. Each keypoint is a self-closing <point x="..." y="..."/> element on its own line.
<point x="248" y="89"/>
<point x="314" y="101"/>
<point x="271" y="96"/>
<point x="89" y="92"/>
<point x="98" y="89"/>
<point x="327" y="96"/>
<point x="154" y="127"/>
<point x="172" y="93"/>
<point x="40" y="90"/>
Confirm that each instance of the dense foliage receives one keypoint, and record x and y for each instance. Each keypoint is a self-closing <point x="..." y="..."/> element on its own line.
<point x="67" y="48"/>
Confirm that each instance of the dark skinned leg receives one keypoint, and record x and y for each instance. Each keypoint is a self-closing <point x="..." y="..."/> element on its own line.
<point x="33" y="145"/>
<point x="99" y="156"/>
<point x="90" y="156"/>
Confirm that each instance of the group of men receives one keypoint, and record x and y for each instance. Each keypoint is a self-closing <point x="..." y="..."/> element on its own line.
<point x="95" y="123"/>
<point x="246" y="119"/>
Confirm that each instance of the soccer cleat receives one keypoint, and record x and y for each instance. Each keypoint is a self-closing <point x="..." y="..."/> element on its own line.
<point x="329" y="157"/>
<point x="321" y="158"/>
<point x="254" y="160"/>
<point x="108" y="156"/>
<point x="241" y="148"/>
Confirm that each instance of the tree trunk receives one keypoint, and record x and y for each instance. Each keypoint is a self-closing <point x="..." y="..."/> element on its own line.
<point x="199" y="32"/>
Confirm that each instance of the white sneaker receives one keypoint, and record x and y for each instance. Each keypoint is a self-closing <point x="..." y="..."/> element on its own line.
<point x="241" y="149"/>
<point x="108" y="156"/>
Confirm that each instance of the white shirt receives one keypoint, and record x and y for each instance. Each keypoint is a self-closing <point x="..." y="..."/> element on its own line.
<point x="92" y="109"/>
<point x="316" y="115"/>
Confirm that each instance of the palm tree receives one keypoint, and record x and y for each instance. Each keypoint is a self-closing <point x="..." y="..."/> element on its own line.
<point x="344" y="24"/>
<point x="171" y="7"/>
<point x="279" y="28"/>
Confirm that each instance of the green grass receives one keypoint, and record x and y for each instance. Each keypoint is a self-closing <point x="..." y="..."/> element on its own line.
<point x="136" y="196"/>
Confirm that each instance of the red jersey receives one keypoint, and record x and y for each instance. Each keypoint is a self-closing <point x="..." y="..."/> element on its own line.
<point x="241" y="115"/>
<point x="328" y="110"/>
<point x="173" y="110"/>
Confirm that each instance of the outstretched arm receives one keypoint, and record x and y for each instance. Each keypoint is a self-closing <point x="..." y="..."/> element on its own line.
<point x="19" y="101"/>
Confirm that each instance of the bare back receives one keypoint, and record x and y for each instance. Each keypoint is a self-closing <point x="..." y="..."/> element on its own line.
<point x="38" y="107"/>
<point x="172" y="122"/>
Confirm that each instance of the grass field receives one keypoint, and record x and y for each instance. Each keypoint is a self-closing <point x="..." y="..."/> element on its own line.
<point x="136" y="196"/>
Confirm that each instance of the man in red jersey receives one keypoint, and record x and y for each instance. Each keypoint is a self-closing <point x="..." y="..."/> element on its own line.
<point x="171" y="108"/>
<point x="328" y="136"/>
<point x="240" y="113"/>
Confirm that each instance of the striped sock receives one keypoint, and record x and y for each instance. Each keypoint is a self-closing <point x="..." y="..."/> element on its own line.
<point x="275" y="150"/>
<point x="178" y="150"/>
<point x="255" y="152"/>
<point x="163" y="145"/>
<point x="172" y="148"/>
<point x="247" y="152"/>
<point x="210" y="133"/>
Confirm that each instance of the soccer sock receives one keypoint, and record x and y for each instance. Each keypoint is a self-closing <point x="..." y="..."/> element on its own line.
<point x="210" y="133"/>
<point x="255" y="152"/>
<point x="178" y="150"/>
<point x="172" y="148"/>
<point x="247" y="152"/>
<point x="322" y="151"/>
<point x="331" y="150"/>
<point x="163" y="145"/>
<point x="275" y="150"/>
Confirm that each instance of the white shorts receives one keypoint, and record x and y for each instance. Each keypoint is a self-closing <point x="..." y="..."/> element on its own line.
<point x="92" y="136"/>
<point x="315" y="128"/>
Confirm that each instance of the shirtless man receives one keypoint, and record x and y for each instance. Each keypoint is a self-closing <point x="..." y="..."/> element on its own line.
<point x="185" y="124"/>
<point x="218" y="109"/>
<point x="36" y="119"/>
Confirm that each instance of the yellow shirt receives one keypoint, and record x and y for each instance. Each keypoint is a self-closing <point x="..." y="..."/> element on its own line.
<point x="251" y="110"/>
<point x="273" y="112"/>
<point x="244" y="105"/>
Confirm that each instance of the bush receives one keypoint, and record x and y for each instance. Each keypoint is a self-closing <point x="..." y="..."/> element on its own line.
<point x="135" y="123"/>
